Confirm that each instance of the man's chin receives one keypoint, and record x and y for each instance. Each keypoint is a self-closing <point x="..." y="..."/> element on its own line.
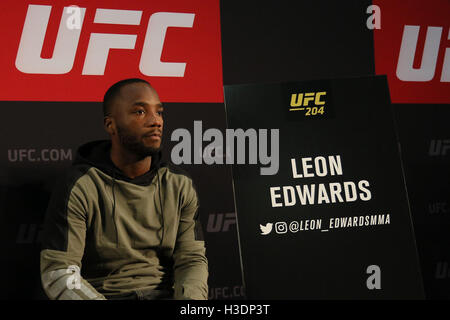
<point x="150" y="151"/>
<point x="153" y="148"/>
<point x="144" y="151"/>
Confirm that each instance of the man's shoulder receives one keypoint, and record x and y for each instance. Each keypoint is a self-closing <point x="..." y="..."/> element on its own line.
<point x="70" y="177"/>
<point x="174" y="170"/>
<point x="181" y="181"/>
<point x="176" y="176"/>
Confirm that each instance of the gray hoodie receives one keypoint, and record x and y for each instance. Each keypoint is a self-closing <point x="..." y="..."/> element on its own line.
<point x="123" y="234"/>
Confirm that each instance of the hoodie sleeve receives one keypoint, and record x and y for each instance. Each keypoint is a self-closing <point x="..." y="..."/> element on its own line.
<point x="63" y="244"/>
<point x="190" y="263"/>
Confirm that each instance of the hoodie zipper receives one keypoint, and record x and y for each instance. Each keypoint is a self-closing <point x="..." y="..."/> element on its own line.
<point x="158" y="186"/>
<point x="114" y="209"/>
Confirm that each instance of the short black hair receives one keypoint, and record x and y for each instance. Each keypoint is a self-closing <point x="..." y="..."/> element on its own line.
<point x="114" y="90"/>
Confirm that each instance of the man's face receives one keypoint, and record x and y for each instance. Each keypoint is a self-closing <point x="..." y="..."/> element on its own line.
<point x="138" y="116"/>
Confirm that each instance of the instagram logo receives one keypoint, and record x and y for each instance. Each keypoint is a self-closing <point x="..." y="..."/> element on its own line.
<point x="281" y="227"/>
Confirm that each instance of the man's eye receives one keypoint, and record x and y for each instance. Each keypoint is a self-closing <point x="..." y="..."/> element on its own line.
<point x="160" y="113"/>
<point x="140" y="112"/>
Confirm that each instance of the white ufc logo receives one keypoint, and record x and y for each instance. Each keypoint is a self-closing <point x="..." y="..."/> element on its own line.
<point x="427" y="69"/>
<point x="29" y="59"/>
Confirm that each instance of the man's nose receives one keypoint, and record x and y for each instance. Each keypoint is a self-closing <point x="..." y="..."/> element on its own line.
<point x="154" y="120"/>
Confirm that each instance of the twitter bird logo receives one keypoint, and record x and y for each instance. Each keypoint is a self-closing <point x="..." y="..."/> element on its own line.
<point x="265" y="230"/>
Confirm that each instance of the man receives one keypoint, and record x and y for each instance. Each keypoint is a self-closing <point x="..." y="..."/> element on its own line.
<point x="126" y="220"/>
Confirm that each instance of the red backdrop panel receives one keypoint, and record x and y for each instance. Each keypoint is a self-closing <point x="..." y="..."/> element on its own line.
<point x="395" y="15"/>
<point x="198" y="46"/>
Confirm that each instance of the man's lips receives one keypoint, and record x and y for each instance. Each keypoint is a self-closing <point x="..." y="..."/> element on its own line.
<point x="153" y="134"/>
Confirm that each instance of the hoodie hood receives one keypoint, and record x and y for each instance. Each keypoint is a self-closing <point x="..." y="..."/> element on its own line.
<point x="97" y="154"/>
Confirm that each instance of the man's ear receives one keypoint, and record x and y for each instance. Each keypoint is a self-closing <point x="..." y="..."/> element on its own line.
<point x="110" y="125"/>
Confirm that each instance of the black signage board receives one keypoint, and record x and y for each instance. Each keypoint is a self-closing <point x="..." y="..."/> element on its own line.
<point x="331" y="220"/>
